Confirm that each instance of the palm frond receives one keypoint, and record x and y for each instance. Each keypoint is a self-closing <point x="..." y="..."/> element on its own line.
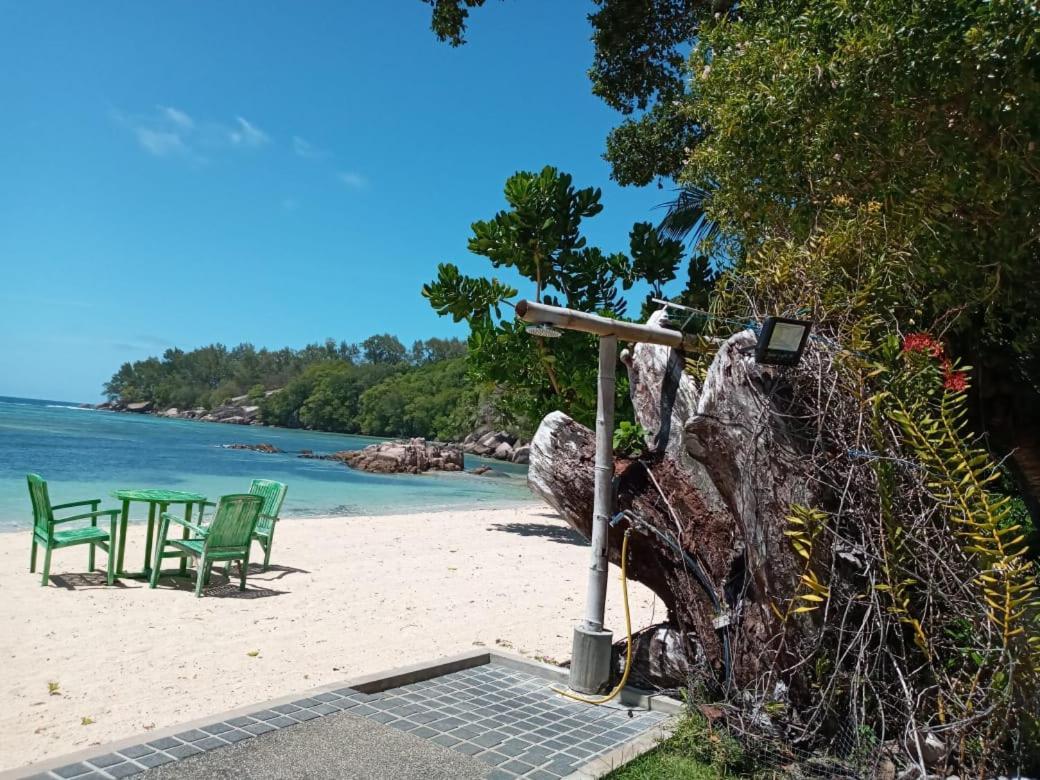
<point x="686" y="219"/>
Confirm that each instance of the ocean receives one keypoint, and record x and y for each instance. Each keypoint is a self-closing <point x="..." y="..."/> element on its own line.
<point x="86" y="453"/>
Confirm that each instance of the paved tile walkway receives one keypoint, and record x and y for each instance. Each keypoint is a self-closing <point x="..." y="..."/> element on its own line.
<point x="507" y="719"/>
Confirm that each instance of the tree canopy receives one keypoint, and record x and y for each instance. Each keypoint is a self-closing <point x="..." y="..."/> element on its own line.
<point x="540" y="236"/>
<point x="892" y="135"/>
<point x="638" y="69"/>
<point x="378" y="387"/>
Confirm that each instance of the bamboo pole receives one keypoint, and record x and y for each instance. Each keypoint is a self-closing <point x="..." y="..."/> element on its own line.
<point x="530" y="311"/>
<point x="602" y="509"/>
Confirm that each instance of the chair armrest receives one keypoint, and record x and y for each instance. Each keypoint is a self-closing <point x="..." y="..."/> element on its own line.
<point x="76" y="503"/>
<point x="167" y="518"/>
<point x="264" y="523"/>
<point x="85" y="515"/>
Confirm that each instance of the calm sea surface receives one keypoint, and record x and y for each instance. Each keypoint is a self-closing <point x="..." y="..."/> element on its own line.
<point x="84" y="453"/>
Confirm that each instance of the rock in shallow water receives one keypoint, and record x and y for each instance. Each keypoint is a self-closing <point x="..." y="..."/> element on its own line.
<point x="408" y="457"/>
<point x="268" y="448"/>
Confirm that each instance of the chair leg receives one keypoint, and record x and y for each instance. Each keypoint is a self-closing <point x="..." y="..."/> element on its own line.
<point x="46" y="566"/>
<point x="267" y="545"/>
<point x="111" y="570"/>
<point x="153" y="575"/>
<point x="90" y="558"/>
<point x="243" y="567"/>
<point x="32" y="557"/>
<point x="201" y="574"/>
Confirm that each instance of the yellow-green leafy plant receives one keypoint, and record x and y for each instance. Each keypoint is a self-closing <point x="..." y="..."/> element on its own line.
<point x="805" y="526"/>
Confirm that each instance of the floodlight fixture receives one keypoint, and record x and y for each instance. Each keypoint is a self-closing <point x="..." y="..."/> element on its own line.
<point x="781" y="341"/>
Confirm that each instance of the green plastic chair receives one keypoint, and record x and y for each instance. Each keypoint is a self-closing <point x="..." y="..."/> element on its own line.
<point x="44" y="532"/>
<point x="227" y="538"/>
<point x="273" y="494"/>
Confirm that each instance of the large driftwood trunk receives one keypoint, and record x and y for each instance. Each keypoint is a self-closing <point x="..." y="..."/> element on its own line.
<point x="723" y="471"/>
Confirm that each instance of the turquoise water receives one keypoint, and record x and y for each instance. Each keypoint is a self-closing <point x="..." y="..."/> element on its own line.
<point x="84" y="453"/>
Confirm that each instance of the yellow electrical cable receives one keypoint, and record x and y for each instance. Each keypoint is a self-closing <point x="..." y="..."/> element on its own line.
<point x="628" y="631"/>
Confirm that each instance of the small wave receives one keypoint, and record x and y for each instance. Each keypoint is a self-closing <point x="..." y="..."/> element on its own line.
<point x="68" y="406"/>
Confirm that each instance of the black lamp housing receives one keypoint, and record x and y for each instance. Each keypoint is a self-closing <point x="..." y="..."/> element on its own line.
<point x="782" y="341"/>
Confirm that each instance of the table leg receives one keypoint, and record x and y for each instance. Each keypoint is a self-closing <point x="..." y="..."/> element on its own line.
<point x="148" y="538"/>
<point x="184" y="535"/>
<point x="122" y="537"/>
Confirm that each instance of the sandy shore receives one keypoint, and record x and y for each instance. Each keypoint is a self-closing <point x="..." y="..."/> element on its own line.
<point x="345" y="596"/>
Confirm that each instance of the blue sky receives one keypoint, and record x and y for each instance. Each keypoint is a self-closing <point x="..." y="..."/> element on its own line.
<point x="269" y="172"/>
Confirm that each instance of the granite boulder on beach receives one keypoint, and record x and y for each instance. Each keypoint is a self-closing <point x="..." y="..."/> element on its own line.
<point x="413" y="456"/>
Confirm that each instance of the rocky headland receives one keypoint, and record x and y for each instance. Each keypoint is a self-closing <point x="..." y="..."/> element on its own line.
<point x="242" y="410"/>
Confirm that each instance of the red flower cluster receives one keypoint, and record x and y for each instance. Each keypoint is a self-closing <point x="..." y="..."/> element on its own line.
<point x="922" y="342"/>
<point x="954" y="381"/>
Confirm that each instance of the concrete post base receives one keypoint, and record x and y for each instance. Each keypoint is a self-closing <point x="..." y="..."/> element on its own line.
<point x="590" y="660"/>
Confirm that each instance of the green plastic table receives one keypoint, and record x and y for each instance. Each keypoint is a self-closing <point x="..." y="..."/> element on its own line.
<point x="158" y="502"/>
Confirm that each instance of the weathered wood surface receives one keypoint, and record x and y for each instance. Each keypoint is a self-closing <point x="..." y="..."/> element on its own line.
<point x="723" y="472"/>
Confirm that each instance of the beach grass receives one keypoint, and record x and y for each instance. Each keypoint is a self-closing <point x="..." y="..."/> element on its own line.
<point x="694" y="751"/>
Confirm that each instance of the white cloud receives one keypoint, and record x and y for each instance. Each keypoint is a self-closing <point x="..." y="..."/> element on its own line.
<point x="353" y="180"/>
<point x="178" y="117"/>
<point x="171" y="132"/>
<point x="248" y="135"/>
<point x="306" y="149"/>
<point x="160" y="142"/>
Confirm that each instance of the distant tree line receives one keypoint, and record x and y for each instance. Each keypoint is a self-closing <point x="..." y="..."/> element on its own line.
<point x="378" y="387"/>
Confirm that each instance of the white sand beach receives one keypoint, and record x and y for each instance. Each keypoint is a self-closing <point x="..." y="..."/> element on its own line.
<point x="345" y="596"/>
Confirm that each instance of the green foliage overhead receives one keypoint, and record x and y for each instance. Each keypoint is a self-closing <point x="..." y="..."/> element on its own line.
<point x="654" y="258"/>
<point x="638" y="69"/>
<point x="914" y="122"/>
<point x="540" y="236"/>
<point x="466" y="297"/>
<point x="449" y="17"/>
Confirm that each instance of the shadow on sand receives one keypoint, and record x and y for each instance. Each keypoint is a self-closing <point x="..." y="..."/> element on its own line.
<point x="554" y="533"/>
<point x="83" y="580"/>
<point x="219" y="585"/>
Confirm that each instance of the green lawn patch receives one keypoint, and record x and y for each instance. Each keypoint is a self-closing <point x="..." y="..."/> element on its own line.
<point x="695" y="751"/>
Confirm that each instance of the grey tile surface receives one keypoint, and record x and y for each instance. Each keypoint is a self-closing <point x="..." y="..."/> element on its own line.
<point x="72" y="770"/>
<point x="125" y="769"/>
<point x="109" y="759"/>
<point x="209" y="743"/>
<point x="215" y="728"/>
<point x="508" y="721"/>
<point x="154" y="759"/>
<point x="235" y="736"/>
<point x="136" y="751"/>
<point x="183" y="751"/>
<point x="260" y="727"/>
<point x="190" y="736"/>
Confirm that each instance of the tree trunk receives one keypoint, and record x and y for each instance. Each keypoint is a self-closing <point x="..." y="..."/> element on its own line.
<point x="721" y="475"/>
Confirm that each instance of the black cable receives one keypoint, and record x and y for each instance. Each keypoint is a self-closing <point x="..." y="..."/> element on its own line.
<point x="693" y="566"/>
